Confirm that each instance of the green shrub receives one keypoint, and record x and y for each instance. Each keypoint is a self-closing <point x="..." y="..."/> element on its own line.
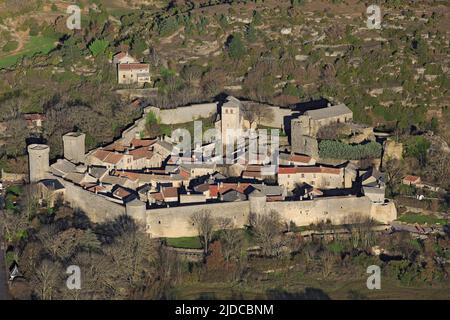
<point x="339" y="150"/>
<point x="236" y="48"/>
<point x="10" y="46"/>
<point x="98" y="47"/>
<point x="417" y="147"/>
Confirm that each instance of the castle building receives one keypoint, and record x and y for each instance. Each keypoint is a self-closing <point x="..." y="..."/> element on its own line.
<point x="304" y="129"/>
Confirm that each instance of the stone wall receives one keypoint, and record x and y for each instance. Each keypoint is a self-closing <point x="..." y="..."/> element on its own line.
<point x="185" y="114"/>
<point x="338" y="210"/>
<point x="175" y="222"/>
<point x="96" y="207"/>
<point x="305" y="145"/>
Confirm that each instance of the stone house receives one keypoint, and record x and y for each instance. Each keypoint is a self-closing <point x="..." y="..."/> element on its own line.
<point x="50" y="190"/>
<point x="129" y="73"/>
<point x="318" y="177"/>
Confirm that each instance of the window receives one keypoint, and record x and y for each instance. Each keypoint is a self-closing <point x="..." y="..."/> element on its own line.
<point x="303" y="175"/>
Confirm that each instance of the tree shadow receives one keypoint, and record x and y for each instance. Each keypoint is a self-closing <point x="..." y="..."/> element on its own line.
<point x="307" y="294"/>
<point x="108" y="231"/>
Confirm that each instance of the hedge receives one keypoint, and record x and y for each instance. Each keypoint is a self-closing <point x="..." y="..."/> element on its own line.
<point x="332" y="149"/>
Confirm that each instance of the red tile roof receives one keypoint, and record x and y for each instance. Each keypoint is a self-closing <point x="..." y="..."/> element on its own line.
<point x="411" y="178"/>
<point x="34" y="116"/>
<point x="113" y="158"/>
<point x="184" y="173"/>
<point x="115" y="147"/>
<point x="121" y="192"/>
<point x="157" y="196"/>
<point x="287" y="170"/>
<point x="251" y="174"/>
<point x="170" y="192"/>
<point x="214" y="190"/>
<point x="120" y="55"/>
<point x="274" y="198"/>
<point x="300" y="158"/>
<point x="126" y="174"/>
<point x="141" y="143"/>
<point x="294" y="170"/>
<point x="141" y="153"/>
<point x="107" y="156"/>
<point x="134" y="66"/>
<point x="253" y="168"/>
<point x="101" y="154"/>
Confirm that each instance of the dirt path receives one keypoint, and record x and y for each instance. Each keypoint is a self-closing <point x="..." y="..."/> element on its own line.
<point x="22" y="38"/>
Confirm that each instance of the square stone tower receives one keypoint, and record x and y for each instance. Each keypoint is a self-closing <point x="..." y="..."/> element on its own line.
<point x="231" y="120"/>
<point x="74" y="147"/>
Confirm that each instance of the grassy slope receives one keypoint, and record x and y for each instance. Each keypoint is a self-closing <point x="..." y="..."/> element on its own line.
<point x="421" y="219"/>
<point x="37" y="44"/>
<point x="185" y="242"/>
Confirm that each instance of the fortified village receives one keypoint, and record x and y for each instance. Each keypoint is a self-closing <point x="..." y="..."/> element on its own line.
<point x="147" y="180"/>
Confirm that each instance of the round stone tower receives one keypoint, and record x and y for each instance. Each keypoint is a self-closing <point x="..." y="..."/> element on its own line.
<point x="137" y="210"/>
<point x="74" y="147"/>
<point x="38" y="159"/>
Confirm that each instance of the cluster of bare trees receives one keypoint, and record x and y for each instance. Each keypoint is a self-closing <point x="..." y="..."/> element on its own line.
<point x="267" y="230"/>
<point x="256" y="113"/>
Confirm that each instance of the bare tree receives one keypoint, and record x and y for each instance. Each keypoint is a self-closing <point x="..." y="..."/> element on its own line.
<point x="46" y="279"/>
<point x="267" y="230"/>
<point x="17" y="132"/>
<point x="230" y="238"/>
<point x="204" y="223"/>
<point x="191" y="73"/>
<point x="29" y="201"/>
<point x="256" y="113"/>
<point x="394" y="173"/>
<point x="14" y="225"/>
